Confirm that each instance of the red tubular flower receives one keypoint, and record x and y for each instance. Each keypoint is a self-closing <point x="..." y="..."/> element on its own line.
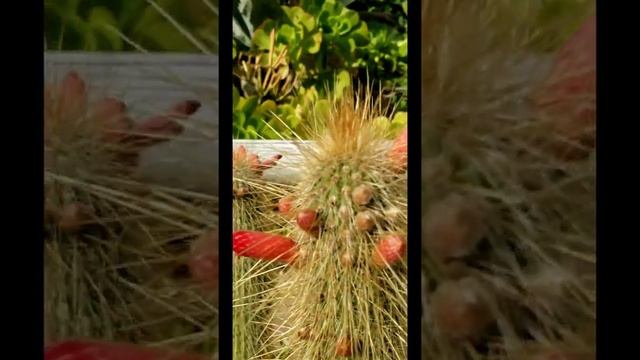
<point x="264" y="246"/>
<point x="97" y="350"/>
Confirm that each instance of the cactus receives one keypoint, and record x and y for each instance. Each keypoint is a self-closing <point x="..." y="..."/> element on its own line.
<point x="115" y="247"/>
<point x="508" y="187"/>
<point x="341" y="287"/>
<point x="154" y="257"/>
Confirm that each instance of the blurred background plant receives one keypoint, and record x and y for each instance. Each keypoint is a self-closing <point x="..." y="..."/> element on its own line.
<point x="128" y="25"/>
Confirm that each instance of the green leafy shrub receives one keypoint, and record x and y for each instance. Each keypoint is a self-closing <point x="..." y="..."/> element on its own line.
<point x="327" y="45"/>
<point x="318" y="42"/>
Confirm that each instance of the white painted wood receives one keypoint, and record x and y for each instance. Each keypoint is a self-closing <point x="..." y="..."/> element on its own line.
<point x="147" y="82"/>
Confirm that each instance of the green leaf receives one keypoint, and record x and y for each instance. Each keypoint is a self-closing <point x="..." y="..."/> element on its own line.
<point x="164" y="36"/>
<point x="402" y="48"/>
<point x="90" y="41"/>
<point x="130" y="13"/>
<point x="239" y="119"/>
<point x="268" y="133"/>
<point x="287" y="34"/>
<point x="382" y="124"/>
<point x="287" y="113"/>
<point x="154" y="32"/>
<point x="331" y="7"/>
<point x="361" y="34"/>
<point x="313" y="7"/>
<point x="343" y="82"/>
<point x="235" y="96"/>
<point x="248" y="105"/>
<point x="208" y="35"/>
<point x="345" y="47"/>
<point x="399" y="122"/>
<point x="69" y="6"/>
<point x="267" y="107"/>
<point x="298" y="17"/>
<point x="102" y="21"/>
<point x="350" y="16"/>
<point x="252" y="133"/>
<point x="322" y="110"/>
<point x="343" y="26"/>
<point x="307" y="96"/>
<point x="312" y="43"/>
<point x="261" y="38"/>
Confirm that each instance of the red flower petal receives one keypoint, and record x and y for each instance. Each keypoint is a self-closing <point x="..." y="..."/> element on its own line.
<point x="239" y="154"/>
<point x="107" y="109"/>
<point x="254" y="161"/>
<point x="153" y="131"/>
<point x="264" y="246"/>
<point x="73" y="96"/>
<point x="110" y="113"/>
<point x="261" y="166"/>
<point x="161" y="128"/>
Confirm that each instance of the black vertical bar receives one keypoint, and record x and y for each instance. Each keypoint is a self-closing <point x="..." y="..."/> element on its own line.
<point x="24" y="157"/>
<point x="414" y="185"/>
<point x="225" y="33"/>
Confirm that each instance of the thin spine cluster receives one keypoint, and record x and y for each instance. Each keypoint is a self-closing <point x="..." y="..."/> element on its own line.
<point x="254" y="206"/>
